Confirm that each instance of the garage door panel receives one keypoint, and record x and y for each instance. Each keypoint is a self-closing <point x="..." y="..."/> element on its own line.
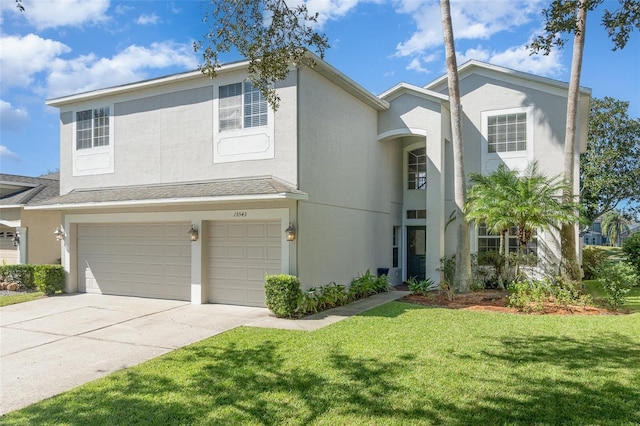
<point x="145" y="260"/>
<point x="240" y="255"/>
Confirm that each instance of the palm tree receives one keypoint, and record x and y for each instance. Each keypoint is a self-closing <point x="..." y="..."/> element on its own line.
<point x="462" y="278"/>
<point x="532" y="201"/>
<point x="489" y="200"/>
<point x="613" y="224"/>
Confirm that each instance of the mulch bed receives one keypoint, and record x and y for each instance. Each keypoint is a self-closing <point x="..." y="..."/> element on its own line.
<point x="495" y="301"/>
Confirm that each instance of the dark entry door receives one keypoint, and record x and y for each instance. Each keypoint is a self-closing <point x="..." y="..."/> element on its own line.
<point x="416" y="252"/>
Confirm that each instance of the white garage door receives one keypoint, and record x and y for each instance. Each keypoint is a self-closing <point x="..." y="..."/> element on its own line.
<point x="8" y="252"/>
<point x="240" y="255"/>
<point x="144" y="260"/>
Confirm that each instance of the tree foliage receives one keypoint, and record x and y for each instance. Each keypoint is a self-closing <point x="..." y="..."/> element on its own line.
<point x="613" y="224"/>
<point x="269" y="33"/>
<point x="561" y="18"/>
<point x="610" y="168"/>
<point x="504" y="199"/>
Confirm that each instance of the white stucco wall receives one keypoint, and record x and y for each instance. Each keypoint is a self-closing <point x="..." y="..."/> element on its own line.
<point x="167" y="134"/>
<point x="345" y="227"/>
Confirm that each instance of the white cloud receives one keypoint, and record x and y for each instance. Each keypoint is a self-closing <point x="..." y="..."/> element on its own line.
<point x="146" y="19"/>
<point x="517" y="58"/>
<point x="45" y="14"/>
<point x="8" y="155"/>
<point x="12" y="118"/>
<point x="330" y="10"/>
<point x="89" y="72"/>
<point x="22" y="57"/>
<point x="472" y="20"/>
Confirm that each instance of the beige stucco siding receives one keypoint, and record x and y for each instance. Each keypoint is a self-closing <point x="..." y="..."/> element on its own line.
<point x="166" y="134"/>
<point x="43" y="248"/>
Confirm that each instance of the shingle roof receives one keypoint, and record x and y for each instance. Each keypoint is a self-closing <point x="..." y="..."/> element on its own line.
<point x="29" y="190"/>
<point x="208" y="191"/>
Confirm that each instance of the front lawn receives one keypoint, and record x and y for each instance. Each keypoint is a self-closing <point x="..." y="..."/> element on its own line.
<point x="20" y="297"/>
<point x="396" y="364"/>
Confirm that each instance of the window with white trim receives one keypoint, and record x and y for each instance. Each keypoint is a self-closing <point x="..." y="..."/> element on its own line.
<point x="491" y="242"/>
<point x="397" y="237"/>
<point x="507" y="132"/>
<point x="241" y="105"/>
<point x="92" y="128"/>
<point x="417" y="169"/>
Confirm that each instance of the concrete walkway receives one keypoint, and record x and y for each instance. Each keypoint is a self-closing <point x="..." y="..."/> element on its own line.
<point x="54" y="344"/>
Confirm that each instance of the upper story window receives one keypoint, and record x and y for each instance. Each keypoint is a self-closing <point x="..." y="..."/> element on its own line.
<point x="92" y="128"/>
<point x="241" y="106"/>
<point x="507" y="132"/>
<point x="417" y="169"/>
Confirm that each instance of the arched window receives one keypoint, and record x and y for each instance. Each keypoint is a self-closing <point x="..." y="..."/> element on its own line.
<point x="417" y="168"/>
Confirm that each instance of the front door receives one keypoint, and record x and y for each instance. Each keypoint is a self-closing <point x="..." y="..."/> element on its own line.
<point x="416" y="252"/>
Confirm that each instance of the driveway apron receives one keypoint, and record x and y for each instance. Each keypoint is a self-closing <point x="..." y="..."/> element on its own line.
<point x="54" y="344"/>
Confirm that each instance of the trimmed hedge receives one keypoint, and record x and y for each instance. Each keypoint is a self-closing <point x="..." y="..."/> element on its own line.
<point x="49" y="278"/>
<point x="281" y="294"/>
<point x="21" y="274"/>
<point x="46" y="278"/>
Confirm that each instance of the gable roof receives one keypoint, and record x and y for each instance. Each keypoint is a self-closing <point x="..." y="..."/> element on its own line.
<point x="258" y="188"/>
<point x="545" y="84"/>
<point x="404" y="88"/>
<point x="16" y="191"/>
<point x="323" y="68"/>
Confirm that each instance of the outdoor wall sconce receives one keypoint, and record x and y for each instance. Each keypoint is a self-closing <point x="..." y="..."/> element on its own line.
<point x="16" y="240"/>
<point x="59" y="233"/>
<point x="193" y="233"/>
<point x="290" y="232"/>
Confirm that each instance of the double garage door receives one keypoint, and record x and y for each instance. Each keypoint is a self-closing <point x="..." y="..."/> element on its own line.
<point x="154" y="260"/>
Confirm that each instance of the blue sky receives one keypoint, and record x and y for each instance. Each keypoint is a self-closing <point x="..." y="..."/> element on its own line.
<point x="62" y="47"/>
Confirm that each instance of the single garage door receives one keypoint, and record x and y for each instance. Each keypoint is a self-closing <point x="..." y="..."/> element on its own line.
<point x="240" y="255"/>
<point x="144" y="260"/>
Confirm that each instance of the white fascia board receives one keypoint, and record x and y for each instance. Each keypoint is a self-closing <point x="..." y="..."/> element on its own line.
<point x="402" y="88"/>
<point x="337" y="77"/>
<point x="12" y="206"/>
<point x="11" y="223"/>
<point x="172" y="201"/>
<point x="482" y="68"/>
<point x="85" y="96"/>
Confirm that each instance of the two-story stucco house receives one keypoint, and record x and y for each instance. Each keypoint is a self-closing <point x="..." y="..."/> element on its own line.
<point x="186" y="187"/>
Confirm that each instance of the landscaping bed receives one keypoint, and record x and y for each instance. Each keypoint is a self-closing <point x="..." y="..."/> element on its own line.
<point x="496" y="301"/>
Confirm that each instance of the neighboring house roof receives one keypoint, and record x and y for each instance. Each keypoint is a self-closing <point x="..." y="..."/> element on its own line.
<point x="16" y="191"/>
<point x="259" y="188"/>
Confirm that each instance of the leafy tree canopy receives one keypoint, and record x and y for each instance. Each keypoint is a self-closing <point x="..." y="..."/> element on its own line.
<point x="610" y="168"/>
<point x="269" y="33"/>
<point x="561" y="18"/>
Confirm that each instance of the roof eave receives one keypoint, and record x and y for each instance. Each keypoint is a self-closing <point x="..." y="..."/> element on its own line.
<point x="170" y="201"/>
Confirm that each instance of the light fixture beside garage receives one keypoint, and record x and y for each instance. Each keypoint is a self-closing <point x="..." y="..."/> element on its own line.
<point x="193" y="233"/>
<point x="290" y="232"/>
<point x="59" y="233"/>
<point x="16" y="239"/>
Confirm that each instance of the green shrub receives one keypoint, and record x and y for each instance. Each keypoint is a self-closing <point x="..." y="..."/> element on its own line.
<point x="534" y="295"/>
<point x="420" y="287"/>
<point x="592" y="258"/>
<point x="616" y="279"/>
<point x="281" y="294"/>
<point x="631" y="247"/>
<point x="21" y="274"/>
<point x="49" y="278"/>
<point x="367" y="285"/>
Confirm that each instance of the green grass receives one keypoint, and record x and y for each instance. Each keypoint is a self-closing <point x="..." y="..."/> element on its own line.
<point x="594" y="288"/>
<point x="19" y="298"/>
<point x="613" y="253"/>
<point x="398" y="364"/>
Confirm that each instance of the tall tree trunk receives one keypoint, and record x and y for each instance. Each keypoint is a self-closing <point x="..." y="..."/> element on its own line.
<point x="462" y="280"/>
<point x="569" y="262"/>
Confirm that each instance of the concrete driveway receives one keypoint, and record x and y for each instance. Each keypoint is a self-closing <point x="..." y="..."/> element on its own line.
<point x="54" y="344"/>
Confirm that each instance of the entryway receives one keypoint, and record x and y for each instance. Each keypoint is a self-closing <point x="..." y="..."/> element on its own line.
<point x="416" y="252"/>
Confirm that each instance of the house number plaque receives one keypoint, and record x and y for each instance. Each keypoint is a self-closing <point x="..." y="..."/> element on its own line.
<point x="240" y="214"/>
